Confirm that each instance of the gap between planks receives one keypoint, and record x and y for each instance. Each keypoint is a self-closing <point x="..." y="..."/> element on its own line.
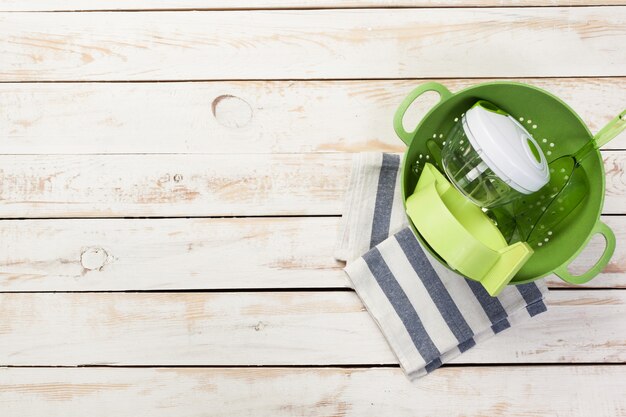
<point x="308" y="79"/>
<point x="303" y="367"/>
<point x="251" y="5"/>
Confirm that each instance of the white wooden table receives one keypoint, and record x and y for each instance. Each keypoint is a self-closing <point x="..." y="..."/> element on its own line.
<point x="171" y="182"/>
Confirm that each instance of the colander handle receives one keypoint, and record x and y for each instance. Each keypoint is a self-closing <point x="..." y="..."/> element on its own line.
<point x="609" y="236"/>
<point x="407" y="137"/>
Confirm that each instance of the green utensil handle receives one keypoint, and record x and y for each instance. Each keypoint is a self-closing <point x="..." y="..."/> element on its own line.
<point x="609" y="236"/>
<point x="407" y="137"/>
<point x="612" y="129"/>
<point x="604" y="136"/>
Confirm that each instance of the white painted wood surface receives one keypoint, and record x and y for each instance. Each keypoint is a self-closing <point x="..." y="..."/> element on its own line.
<point x="79" y="5"/>
<point x="172" y="185"/>
<point x="161" y="254"/>
<point x="253" y="116"/>
<point x="352" y="44"/>
<point x="257" y="147"/>
<point x="198" y="185"/>
<point x="285" y="328"/>
<point x="469" y="391"/>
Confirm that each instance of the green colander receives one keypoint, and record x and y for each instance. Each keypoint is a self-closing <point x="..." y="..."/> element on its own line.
<point x="558" y="130"/>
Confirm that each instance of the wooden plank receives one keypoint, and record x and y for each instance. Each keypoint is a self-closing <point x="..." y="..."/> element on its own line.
<point x="34" y="186"/>
<point x="79" y="5"/>
<point x="615" y="169"/>
<point x="172" y="185"/>
<point x="160" y="254"/>
<point x="103" y="254"/>
<point x="395" y="43"/>
<point x="468" y="391"/>
<point x="256" y="116"/>
<point x="285" y="328"/>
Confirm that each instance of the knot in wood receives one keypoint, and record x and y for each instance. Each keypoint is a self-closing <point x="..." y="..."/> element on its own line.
<point x="93" y="258"/>
<point x="231" y="111"/>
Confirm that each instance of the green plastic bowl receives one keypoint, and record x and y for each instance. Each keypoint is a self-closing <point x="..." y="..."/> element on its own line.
<point x="546" y="117"/>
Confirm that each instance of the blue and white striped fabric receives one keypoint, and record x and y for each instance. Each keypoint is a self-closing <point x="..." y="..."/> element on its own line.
<point x="428" y="313"/>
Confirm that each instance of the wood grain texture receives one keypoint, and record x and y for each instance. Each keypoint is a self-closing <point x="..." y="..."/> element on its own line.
<point x="161" y="254"/>
<point x="34" y="186"/>
<point x="286" y="328"/>
<point x="347" y="44"/>
<point x="468" y="391"/>
<point x="172" y="185"/>
<point x="45" y="255"/>
<point x="83" y="5"/>
<point x="255" y="148"/>
<point x="254" y="116"/>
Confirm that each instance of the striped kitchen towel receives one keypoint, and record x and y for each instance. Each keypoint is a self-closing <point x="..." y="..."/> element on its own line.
<point x="428" y="313"/>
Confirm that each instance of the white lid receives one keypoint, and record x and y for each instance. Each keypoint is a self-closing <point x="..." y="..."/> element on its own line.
<point x="506" y="147"/>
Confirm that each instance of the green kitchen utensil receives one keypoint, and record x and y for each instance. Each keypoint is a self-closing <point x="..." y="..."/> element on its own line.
<point x="462" y="234"/>
<point x="559" y="208"/>
<point x="558" y="130"/>
<point x="539" y="214"/>
<point x="536" y="221"/>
